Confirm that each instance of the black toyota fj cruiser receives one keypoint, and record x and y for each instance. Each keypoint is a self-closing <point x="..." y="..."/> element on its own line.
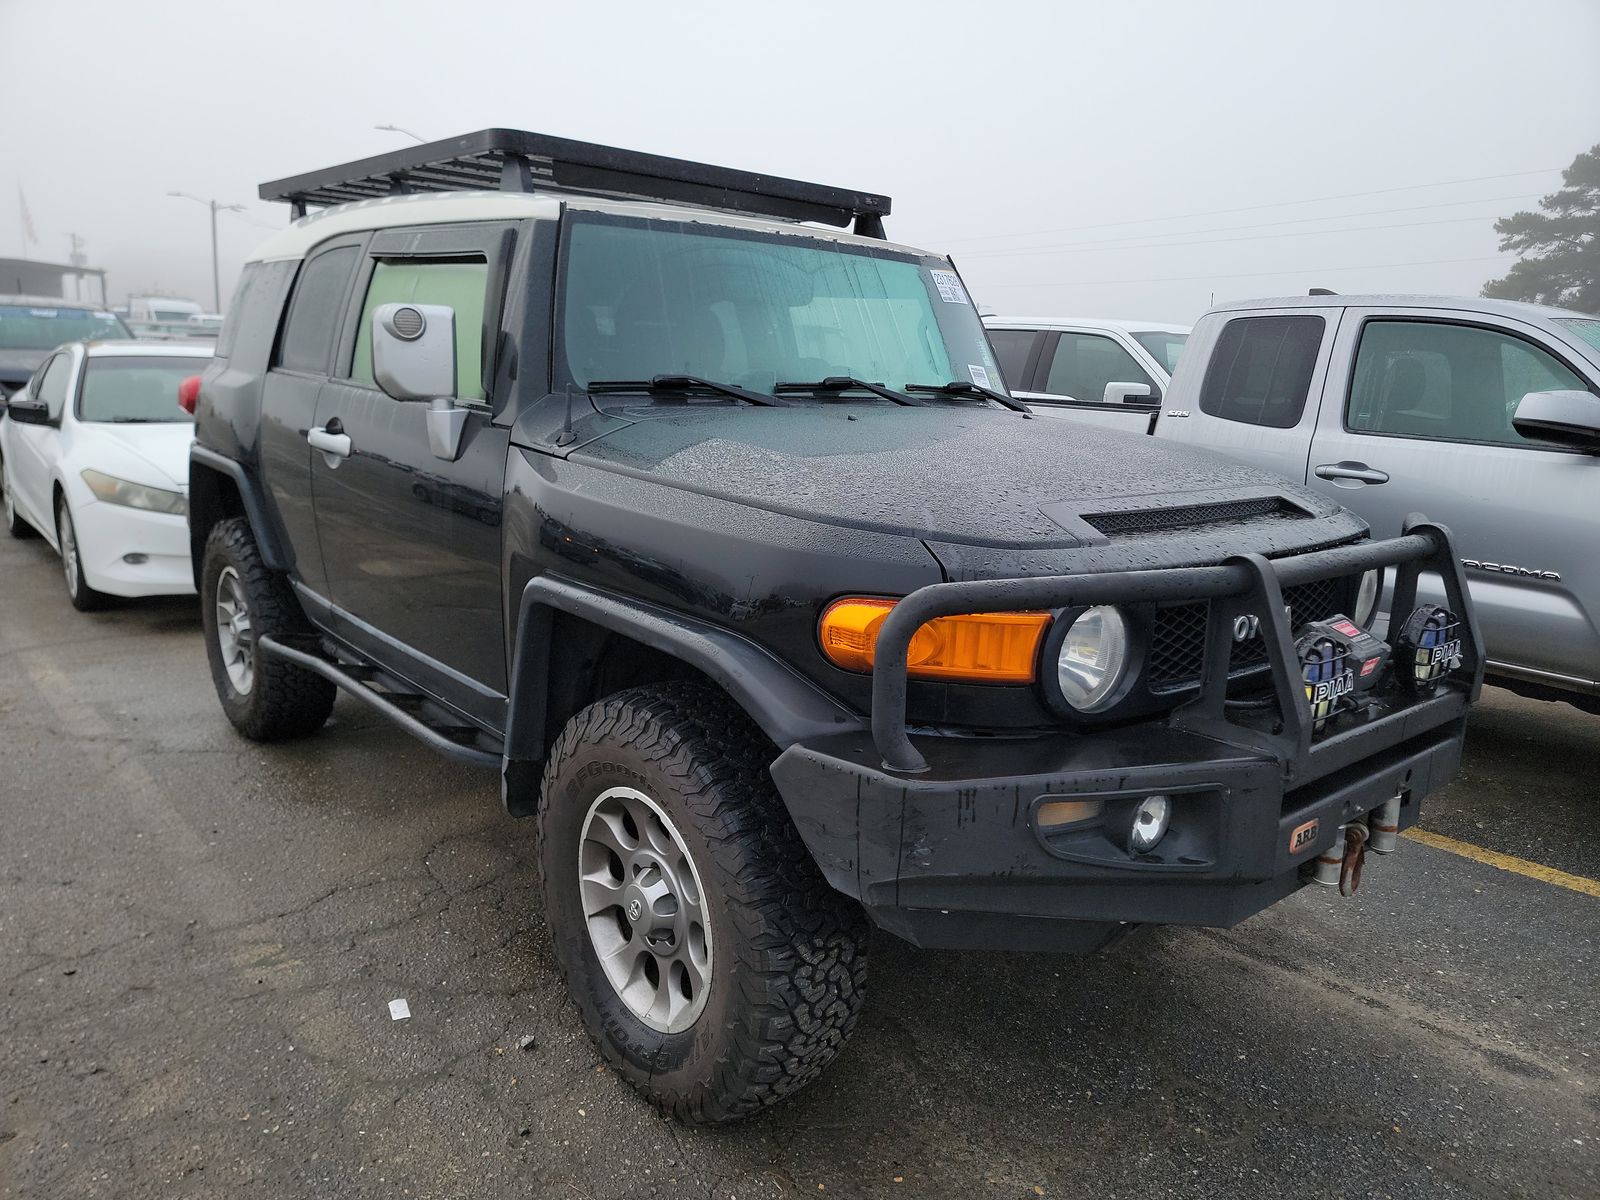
<point x="717" y="533"/>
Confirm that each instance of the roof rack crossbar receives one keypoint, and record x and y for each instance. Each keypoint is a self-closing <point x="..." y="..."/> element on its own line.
<point x="515" y="160"/>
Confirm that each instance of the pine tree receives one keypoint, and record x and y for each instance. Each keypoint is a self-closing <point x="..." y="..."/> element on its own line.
<point x="1560" y="247"/>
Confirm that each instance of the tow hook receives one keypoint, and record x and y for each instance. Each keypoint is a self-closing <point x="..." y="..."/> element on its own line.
<point x="1340" y="864"/>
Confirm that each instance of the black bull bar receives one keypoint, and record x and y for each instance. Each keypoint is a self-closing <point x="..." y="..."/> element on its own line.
<point x="1247" y="584"/>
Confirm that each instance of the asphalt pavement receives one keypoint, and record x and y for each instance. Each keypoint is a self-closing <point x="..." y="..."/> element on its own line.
<point x="200" y="938"/>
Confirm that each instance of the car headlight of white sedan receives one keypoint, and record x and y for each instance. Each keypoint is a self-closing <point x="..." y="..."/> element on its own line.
<point x="135" y="495"/>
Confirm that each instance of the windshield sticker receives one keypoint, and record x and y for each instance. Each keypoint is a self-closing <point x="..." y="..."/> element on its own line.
<point x="979" y="375"/>
<point x="106" y="316"/>
<point x="949" y="285"/>
<point x="42" y="312"/>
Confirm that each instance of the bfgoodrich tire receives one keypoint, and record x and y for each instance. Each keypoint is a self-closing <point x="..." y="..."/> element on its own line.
<point x="713" y="965"/>
<point x="241" y="600"/>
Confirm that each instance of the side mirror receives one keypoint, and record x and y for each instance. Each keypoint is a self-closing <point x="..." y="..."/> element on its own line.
<point x="1131" y="393"/>
<point x="1565" y="418"/>
<point x="25" y="411"/>
<point x="414" y="358"/>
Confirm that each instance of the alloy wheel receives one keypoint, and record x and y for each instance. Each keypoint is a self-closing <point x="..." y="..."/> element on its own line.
<point x="69" y="551"/>
<point x="645" y="910"/>
<point x="234" y="634"/>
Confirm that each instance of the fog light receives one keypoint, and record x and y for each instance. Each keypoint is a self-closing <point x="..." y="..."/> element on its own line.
<point x="1149" y="823"/>
<point x="136" y="559"/>
<point x="1428" y="648"/>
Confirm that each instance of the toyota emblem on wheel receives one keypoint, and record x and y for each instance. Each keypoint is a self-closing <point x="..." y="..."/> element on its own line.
<point x="635" y="910"/>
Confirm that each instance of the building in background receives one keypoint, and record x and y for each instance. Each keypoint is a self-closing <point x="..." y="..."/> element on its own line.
<point x="63" y="281"/>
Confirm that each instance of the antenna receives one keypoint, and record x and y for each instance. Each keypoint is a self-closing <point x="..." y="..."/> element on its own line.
<point x="566" y="437"/>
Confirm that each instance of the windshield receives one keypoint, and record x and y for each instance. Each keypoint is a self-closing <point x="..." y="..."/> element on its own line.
<point x="1163" y="346"/>
<point x="135" y="389"/>
<point x="1585" y="328"/>
<point x="648" y="298"/>
<point x="30" y="327"/>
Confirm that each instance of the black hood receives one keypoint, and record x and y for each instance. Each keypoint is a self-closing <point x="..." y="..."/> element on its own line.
<point x="975" y="483"/>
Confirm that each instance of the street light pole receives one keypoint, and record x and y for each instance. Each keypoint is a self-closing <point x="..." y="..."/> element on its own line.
<point x="216" y="275"/>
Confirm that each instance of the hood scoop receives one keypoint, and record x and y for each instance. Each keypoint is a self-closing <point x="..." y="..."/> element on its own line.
<point x="1130" y="517"/>
<point x="1132" y="522"/>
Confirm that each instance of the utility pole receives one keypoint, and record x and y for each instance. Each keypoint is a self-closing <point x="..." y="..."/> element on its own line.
<point x="216" y="277"/>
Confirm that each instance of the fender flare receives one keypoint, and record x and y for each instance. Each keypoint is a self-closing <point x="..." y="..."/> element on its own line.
<point x="255" y="510"/>
<point x="787" y="706"/>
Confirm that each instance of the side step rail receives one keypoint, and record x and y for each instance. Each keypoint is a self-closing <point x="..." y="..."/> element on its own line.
<point x="352" y="681"/>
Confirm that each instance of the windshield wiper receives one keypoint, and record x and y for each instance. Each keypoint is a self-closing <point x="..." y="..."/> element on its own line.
<point x="138" y="420"/>
<point x="685" y="383"/>
<point x="960" y="387"/>
<point x="847" y="383"/>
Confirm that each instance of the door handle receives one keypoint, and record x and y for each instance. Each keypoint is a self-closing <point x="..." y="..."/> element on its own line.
<point x="337" y="444"/>
<point x="1358" y="471"/>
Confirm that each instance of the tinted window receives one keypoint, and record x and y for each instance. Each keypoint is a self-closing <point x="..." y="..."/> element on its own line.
<point x="135" y="389"/>
<point x="52" y="387"/>
<point x="314" y="312"/>
<point x="1261" y="369"/>
<point x="1429" y="380"/>
<point x="1085" y="362"/>
<point x="461" y="285"/>
<point x="246" y="296"/>
<point x="1012" y="347"/>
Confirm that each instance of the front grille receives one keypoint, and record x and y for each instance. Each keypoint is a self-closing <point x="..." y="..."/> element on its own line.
<point x="1178" y="633"/>
<point x="1159" y="520"/>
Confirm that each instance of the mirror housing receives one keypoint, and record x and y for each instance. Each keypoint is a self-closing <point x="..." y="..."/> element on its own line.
<point x="27" y="411"/>
<point x="1141" y="394"/>
<point x="414" y="358"/>
<point x="1567" y="418"/>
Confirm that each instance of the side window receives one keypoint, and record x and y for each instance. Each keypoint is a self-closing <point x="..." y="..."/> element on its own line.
<point x="314" y="310"/>
<point x="459" y="284"/>
<point x="1085" y="362"/>
<point x="53" y="384"/>
<point x="1427" y="379"/>
<point x="1261" y="370"/>
<point x="242" y="308"/>
<point x="1013" y="347"/>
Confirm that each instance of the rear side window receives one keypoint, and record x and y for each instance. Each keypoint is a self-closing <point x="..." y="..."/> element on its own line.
<point x="1261" y="370"/>
<point x="247" y="297"/>
<point x="1012" y="347"/>
<point x="459" y="284"/>
<point x="315" y="309"/>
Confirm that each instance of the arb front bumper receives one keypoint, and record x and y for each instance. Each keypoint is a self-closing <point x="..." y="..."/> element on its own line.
<point x="1023" y="842"/>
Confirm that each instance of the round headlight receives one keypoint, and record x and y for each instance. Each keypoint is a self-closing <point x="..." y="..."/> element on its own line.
<point x="1367" y="596"/>
<point x="1094" y="658"/>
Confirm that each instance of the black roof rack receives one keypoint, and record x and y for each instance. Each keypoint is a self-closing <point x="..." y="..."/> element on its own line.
<point x="517" y="161"/>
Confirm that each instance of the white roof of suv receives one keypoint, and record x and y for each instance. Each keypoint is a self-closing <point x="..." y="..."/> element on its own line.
<point x="438" y="208"/>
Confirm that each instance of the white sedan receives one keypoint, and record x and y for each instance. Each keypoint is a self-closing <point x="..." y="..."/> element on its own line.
<point x="94" y="455"/>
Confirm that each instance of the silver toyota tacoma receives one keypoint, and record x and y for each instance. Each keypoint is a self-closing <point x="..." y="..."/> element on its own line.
<point x="1484" y="413"/>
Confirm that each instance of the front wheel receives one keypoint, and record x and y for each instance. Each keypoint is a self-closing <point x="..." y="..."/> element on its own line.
<point x="241" y="600"/>
<point x="709" y="959"/>
<point x="84" y="598"/>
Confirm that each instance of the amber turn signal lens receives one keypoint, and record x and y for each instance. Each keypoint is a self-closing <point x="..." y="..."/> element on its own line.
<point x="975" y="647"/>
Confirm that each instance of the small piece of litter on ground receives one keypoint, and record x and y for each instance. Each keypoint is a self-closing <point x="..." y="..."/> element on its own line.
<point x="399" y="1010"/>
<point x="526" y="1042"/>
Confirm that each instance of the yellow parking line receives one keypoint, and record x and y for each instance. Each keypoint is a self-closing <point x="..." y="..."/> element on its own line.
<point x="1506" y="862"/>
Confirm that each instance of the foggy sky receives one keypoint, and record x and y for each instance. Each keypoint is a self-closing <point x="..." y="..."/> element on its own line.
<point x="1115" y="158"/>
